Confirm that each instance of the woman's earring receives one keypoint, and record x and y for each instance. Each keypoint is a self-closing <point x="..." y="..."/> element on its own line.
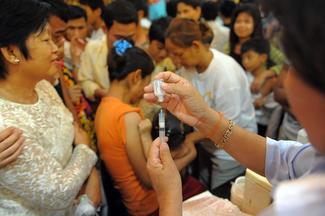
<point x="15" y="60"/>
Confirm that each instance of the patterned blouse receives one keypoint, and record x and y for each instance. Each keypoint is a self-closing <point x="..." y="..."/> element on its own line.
<point x="47" y="176"/>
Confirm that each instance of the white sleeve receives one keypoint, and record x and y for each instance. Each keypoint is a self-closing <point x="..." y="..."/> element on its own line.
<point x="41" y="180"/>
<point x="86" y="75"/>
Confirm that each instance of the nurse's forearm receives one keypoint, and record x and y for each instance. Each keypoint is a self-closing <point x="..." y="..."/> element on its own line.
<point x="246" y="147"/>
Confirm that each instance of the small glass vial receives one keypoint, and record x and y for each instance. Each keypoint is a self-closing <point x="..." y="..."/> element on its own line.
<point x="158" y="90"/>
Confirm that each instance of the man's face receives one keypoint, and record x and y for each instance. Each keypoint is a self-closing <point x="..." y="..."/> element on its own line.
<point x="58" y="28"/>
<point x="77" y="28"/>
<point x="120" y="31"/>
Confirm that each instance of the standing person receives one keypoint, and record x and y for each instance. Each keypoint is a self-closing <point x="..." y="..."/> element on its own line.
<point x="255" y="58"/>
<point x="121" y="21"/>
<point x="49" y="173"/>
<point x="73" y="48"/>
<point x="222" y="83"/>
<point x="220" y="33"/>
<point x="277" y="160"/>
<point x="227" y="8"/>
<point x="189" y="9"/>
<point x="94" y="10"/>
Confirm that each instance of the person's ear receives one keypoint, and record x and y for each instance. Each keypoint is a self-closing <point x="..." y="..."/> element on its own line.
<point x="196" y="45"/>
<point x="263" y="57"/>
<point x="134" y="77"/>
<point x="11" y="54"/>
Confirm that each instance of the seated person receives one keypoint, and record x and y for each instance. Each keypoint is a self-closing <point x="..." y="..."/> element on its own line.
<point x="117" y="126"/>
<point x="255" y="59"/>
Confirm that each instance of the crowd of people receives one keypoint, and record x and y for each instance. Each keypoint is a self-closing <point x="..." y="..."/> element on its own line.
<point x="76" y="103"/>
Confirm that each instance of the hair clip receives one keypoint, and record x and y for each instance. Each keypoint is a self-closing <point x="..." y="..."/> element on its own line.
<point x="121" y="46"/>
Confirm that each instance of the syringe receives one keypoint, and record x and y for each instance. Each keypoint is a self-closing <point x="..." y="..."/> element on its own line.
<point x="161" y="124"/>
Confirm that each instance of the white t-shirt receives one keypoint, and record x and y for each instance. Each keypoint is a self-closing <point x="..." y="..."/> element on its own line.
<point x="225" y="88"/>
<point x="263" y="115"/>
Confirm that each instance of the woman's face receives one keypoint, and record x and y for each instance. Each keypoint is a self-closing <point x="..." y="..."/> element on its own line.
<point x="186" y="57"/>
<point x="244" y="25"/>
<point x="188" y="12"/>
<point x="43" y="59"/>
<point x="308" y="105"/>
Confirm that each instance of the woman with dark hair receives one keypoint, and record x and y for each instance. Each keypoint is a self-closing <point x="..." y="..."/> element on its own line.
<point x="301" y="166"/>
<point x="222" y="83"/>
<point x="46" y="177"/>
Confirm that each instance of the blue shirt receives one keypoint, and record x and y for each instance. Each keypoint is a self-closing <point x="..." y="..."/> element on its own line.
<point x="289" y="160"/>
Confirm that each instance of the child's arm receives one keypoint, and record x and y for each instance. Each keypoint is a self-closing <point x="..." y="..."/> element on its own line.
<point x="134" y="149"/>
<point x="182" y="162"/>
<point x="266" y="89"/>
<point x="260" y="80"/>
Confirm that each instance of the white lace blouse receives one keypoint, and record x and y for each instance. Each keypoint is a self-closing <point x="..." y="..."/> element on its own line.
<point x="47" y="176"/>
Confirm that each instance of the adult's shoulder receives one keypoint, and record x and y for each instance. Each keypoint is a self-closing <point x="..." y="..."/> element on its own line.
<point x="225" y="61"/>
<point x="94" y="46"/>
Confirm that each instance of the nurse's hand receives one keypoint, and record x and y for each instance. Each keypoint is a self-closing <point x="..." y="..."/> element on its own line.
<point x="181" y="99"/>
<point x="165" y="179"/>
<point x="11" y="145"/>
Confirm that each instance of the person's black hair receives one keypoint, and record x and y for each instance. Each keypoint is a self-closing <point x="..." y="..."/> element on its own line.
<point x="176" y="131"/>
<point x="257" y="32"/>
<point x="140" y="5"/>
<point x="93" y="4"/>
<point x="171" y="8"/>
<point x="210" y="10"/>
<point x="258" y="45"/>
<point x="192" y="3"/>
<point x="120" y="11"/>
<point x="58" y="8"/>
<point x="227" y="8"/>
<point x="134" y="58"/>
<point x="17" y="24"/>
<point x="158" y="29"/>
<point x="302" y="37"/>
<point x="76" y="12"/>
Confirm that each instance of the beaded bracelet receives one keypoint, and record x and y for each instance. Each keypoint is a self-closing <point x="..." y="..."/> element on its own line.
<point x="226" y="135"/>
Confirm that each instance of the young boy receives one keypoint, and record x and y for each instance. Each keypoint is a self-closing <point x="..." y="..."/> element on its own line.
<point x="255" y="59"/>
